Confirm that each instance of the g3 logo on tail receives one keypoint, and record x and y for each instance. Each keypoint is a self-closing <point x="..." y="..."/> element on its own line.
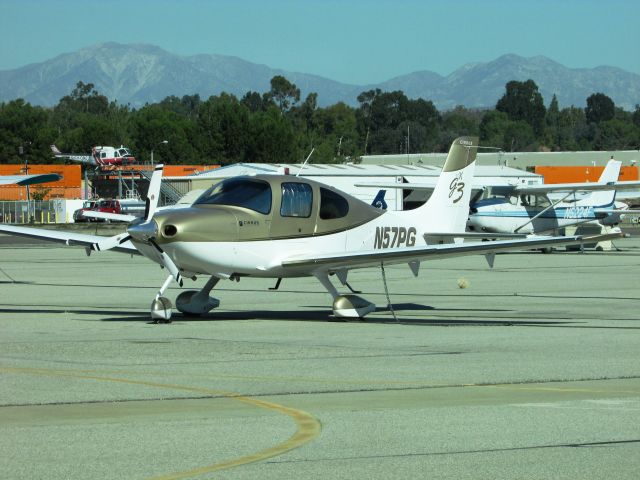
<point x="457" y="187"/>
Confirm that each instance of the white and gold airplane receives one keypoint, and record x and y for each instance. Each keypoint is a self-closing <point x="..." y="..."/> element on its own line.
<point x="281" y="226"/>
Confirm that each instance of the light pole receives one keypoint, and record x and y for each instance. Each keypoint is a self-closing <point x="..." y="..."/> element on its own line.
<point x="163" y="142"/>
<point x="26" y="172"/>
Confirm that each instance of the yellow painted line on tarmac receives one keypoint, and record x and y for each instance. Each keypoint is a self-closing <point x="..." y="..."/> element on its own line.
<point x="308" y="427"/>
<point x="274" y="378"/>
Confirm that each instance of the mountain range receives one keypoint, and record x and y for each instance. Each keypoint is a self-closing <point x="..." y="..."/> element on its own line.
<point x="136" y="74"/>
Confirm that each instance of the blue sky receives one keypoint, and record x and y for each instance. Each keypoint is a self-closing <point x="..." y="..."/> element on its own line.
<point x="354" y="41"/>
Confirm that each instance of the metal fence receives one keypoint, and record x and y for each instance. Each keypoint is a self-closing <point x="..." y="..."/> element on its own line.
<point x="28" y="212"/>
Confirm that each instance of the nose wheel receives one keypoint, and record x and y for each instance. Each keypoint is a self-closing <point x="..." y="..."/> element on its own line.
<point x="161" y="305"/>
<point x="161" y="310"/>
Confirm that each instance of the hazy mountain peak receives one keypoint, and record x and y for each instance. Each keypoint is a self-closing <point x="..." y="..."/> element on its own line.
<point x="141" y="73"/>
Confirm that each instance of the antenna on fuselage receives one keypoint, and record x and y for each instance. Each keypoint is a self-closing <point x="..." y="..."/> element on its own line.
<point x="305" y="162"/>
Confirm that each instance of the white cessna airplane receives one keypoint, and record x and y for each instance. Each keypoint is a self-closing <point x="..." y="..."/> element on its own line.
<point x="277" y="226"/>
<point x="533" y="209"/>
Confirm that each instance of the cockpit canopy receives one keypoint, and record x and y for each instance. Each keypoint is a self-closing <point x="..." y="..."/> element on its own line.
<point x="287" y="206"/>
<point x="239" y="192"/>
<point x="255" y="194"/>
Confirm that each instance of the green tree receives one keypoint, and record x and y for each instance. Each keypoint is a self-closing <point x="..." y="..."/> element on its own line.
<point x="85" y="98"/>
<point x="271" y="138"/>
<point x="636" y="116"/>
<point x="522" y="101"/>
<point x="283" y="93"/>
<point x="26" y="126"/>
<point x="492" y="128"/>
<point x="617" y="135"/>
<point x="335" y="134"/>
<point x="153" y="124"/>
<point x="366" y="100"/>
<point x="519" y="137"/>
<point x="253" y="101"/>
<point x="552" y="119"/>
<point x="457" y="122"/>
<point x="387" y="120"/>
<point x="600" y="108"/>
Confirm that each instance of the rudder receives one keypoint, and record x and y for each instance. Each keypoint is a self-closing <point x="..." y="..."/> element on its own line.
<point x="447" y="209"/>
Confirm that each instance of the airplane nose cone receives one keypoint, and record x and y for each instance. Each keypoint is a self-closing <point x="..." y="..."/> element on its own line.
<point x="143" y="231"/>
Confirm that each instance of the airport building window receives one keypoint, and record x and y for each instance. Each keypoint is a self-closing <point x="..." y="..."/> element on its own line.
<point x="239" y="192"/>
<point x="332" y="205"/>
<point x="297" y="199"/>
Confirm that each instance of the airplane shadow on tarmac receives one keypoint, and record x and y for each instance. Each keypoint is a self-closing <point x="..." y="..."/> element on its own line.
<point x="320" y="314"/>
<point x="324" y="315"/>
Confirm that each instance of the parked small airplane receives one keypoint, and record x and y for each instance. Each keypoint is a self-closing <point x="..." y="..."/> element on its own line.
<point x="277" y="226"/>
<point x="100" y="155"/>
<point x="535" y="209"/>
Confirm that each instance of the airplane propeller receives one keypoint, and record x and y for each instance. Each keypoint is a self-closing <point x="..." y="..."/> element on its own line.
<point x="111" y="242"/>
<point x="145" y="231"/>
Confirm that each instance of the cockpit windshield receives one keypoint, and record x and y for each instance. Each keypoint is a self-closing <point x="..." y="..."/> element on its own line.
<point x="239" y="192"/>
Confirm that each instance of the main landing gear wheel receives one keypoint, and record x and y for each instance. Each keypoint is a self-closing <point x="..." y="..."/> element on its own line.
<point x="196" y="302"/>
<point x="352" y="306"/>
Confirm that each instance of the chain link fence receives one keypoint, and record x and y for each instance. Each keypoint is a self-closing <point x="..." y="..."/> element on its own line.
<point x="28" y="212"/>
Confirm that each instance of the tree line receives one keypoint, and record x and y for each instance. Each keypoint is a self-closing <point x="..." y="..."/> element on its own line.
<point x="279" y="127"/>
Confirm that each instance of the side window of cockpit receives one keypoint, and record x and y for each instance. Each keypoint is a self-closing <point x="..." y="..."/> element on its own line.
<point x="332" y="205"/>
<point x="297" y="199"/>
<point x="542" y="201"/>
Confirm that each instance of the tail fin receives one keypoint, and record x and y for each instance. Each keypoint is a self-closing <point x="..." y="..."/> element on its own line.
<point x="447" y="209"/>
<point x="610" y="174"/>
<point x="55" y="150"/>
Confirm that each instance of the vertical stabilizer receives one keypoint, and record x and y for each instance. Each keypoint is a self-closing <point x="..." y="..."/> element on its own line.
<point x="447" y="209"/>
<point x="605" y="198"/>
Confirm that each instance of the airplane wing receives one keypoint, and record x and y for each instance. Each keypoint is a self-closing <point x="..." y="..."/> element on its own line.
<point x="575" y="187"/>
<point x="404" y="186"/>
<point x="374" y="258"/>
<point x="68" y="238"/>
<point x="116" y="217"/>
<point x="29" y="179"/>
<point x="628" y="211"/>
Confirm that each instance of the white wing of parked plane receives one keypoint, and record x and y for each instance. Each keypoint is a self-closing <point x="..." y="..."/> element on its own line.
<point x="406" y="186"/>
<point x="67" y="238"/>
<point x="29" y="179"/>
<point x="576" y="187"/>
<point x="372" y="258"/>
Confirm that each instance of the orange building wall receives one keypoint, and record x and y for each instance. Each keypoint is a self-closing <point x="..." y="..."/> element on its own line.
<point x="581" y="174"/>
<point x="183" y="170"/>
<point x="70" y="186"/>
<point x="67" y="187"/>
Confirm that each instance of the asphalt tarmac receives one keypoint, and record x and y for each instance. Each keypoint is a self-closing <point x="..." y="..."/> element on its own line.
<point x="531" y="371"/>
